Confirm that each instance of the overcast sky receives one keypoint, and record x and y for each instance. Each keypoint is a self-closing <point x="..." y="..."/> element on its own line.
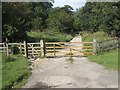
<point x="74" y="3"/>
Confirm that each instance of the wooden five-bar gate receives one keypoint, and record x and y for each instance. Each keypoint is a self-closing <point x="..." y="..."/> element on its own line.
<point x="68" y="48"/>
<point x="49" y="49"/>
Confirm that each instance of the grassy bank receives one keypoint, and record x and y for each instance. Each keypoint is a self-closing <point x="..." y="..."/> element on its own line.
<point x="15" y="71"/>
<point x="48" y="36"/>
<point x="108" y="59"/>
<point x="99" y="36"/>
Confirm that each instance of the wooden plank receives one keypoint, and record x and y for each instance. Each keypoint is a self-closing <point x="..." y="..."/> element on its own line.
<point x="34" y="50"/>
<point x="59" y="47"/>
<point x="79" y="42"/>
<point x="52" y="50"/>
<point x="2" y="47"/>
<point x="54" y="42"/>
<point x="34" y="43"/>
<point x="34" y="47"/>
<point x="68" y="42"/>
<point x="34" y="53"/>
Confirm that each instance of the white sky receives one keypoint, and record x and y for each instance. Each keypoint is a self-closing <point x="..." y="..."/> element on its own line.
<point x="74" y="3"/>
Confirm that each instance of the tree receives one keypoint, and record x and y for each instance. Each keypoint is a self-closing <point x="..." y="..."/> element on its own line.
<point x="98" y="16"/>
<point x="18" y="18"/>
<point x="61" y="19"/>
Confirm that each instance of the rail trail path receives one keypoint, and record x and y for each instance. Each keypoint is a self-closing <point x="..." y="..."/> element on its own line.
<point x="58" y="73"/>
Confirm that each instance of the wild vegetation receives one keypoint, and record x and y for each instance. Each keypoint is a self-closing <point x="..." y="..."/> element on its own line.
<point x="99" y="36"/>
<point x="15" y="71"/>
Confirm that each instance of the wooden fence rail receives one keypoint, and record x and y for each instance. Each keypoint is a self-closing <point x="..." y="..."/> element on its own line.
<point x="55" y="48"/>
<point x="107" y="45"/>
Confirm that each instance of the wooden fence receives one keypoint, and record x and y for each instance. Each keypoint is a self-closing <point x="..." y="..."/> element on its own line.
<point x="107" y="45"/>
<point x="59" y="48"/>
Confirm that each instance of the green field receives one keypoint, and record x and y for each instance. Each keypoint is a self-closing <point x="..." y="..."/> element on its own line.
<point x="107" y="59"/>
<point x="15" y="71"/>
<point x="48" y="36"/>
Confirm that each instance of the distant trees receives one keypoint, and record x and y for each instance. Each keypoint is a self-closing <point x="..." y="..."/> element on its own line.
<point x="99" y="16"/>
<point x="61" y="19"/>
<point x="18" y="18"/>
<point x="21" y="17"/>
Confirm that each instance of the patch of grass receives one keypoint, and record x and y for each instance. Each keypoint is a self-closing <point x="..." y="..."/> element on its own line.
<point x="48" y="36"/>
<point x="0" y="71"/>
<point x="99" y="36"/>
<point x="108" y="59"/>
<point x="15" y="71"/>
<point x="70" y="60"/>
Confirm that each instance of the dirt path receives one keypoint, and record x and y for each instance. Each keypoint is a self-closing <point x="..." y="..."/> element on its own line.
<point x="58" y="73"/>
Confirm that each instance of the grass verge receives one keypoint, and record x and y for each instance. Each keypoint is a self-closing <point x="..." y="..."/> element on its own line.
<point x="108" y="59"/>
<point x="15" y="72"/>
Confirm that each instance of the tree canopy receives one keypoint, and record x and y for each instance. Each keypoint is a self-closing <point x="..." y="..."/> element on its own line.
<point x="19" y="18"/>
<point x="99" y="16"/>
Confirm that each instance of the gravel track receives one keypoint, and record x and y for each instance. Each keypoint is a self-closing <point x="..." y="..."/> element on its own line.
<point x="58" y="73"/>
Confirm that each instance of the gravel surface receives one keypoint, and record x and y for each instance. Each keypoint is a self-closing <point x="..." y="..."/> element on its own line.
<point x="58" y="73"/>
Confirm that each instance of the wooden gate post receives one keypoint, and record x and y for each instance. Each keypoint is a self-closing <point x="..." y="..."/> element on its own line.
<point x="54" y="51"/>
<point x="20" y="48"/>
<point x="42" y="48"/>
<point x="12" y="49"/>
<point x="7" y="49"/>
<point x="25" y="49"/>
<point x="94" y="46"/>
<point x="32" y="50"/>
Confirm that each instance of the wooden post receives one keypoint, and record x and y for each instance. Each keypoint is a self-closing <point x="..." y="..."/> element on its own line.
<point x="12" y="49"/>
<point x="25" y="49"/>
<point x="54" y="51"/>
<point x="4" y="47"/>
<point x="94" y="46"/>
<point x="20" y="48"/>
<point x="70" y="52"/>
<point x="42" y="48"/>
<point x="7" y="49"/>
<point x="32" y="50"/>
